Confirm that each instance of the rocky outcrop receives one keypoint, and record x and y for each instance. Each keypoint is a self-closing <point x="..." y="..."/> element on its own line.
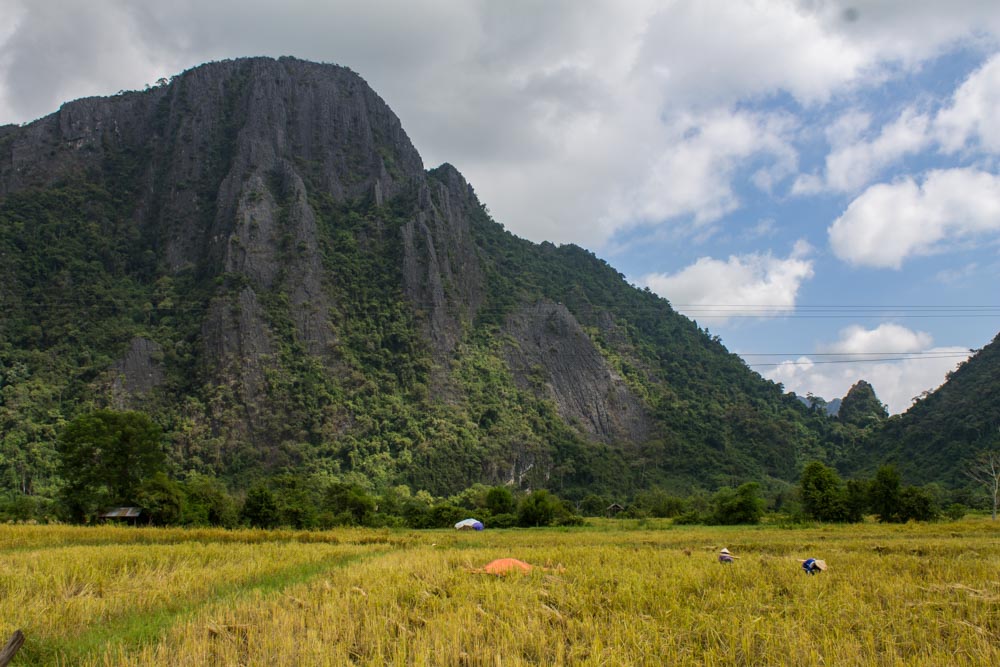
<point x="322" y="300"/>
<point x="237" y="342"/>
<point x="441" y="273"/>
<point x="137" y="373"/>
<point x="224" y="157"/>
<point x="554" y="357"/>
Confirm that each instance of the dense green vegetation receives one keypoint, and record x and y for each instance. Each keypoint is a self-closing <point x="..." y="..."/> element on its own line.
<point x="718" y="422"/>
<point x="109" y="459"/>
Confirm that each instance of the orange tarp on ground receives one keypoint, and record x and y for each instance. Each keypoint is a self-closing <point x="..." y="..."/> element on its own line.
<point x="506" y="565"/>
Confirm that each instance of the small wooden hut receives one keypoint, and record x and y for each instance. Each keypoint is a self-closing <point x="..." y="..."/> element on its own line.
<point x="128" y="515"/>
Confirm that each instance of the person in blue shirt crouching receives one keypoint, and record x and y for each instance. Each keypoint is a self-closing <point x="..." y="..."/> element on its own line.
<point x="813" y="566"/>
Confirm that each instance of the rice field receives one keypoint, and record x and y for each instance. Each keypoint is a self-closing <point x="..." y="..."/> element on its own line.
<point x="615" y="593"/>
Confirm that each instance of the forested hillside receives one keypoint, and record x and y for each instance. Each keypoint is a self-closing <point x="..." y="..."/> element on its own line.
<point x="254" y="255"/>
<point x="938" y="438"/>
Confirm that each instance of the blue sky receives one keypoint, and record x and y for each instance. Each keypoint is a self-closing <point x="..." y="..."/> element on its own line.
<point x="816" y="180"/>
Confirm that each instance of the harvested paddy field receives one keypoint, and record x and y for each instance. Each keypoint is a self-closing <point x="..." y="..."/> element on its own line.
<point x="615" y="593"/>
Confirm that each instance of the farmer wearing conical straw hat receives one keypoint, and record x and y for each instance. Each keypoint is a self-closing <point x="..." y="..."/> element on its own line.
<point x="813" y="566"/>
<point x="725" y="556"/>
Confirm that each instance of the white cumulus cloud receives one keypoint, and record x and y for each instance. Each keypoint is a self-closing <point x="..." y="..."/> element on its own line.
<point x="759" y="285"/>
<point x="891" y="222"/>
<point x="858" y="156"/>
<point x="888" y="337"/>
<point x="972" y="115"/>
<point x="854" y="165"/>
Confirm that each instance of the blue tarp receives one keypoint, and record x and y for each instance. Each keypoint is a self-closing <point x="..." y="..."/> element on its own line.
<point x="469" y="524"/>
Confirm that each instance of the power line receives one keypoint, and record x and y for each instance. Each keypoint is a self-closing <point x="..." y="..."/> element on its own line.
<point x="839" y="354"/>
<point x="772" y="307"/>
<point x="859" y="361"/>
<point x="733" y="311"/>
<point x="846" y="315"/>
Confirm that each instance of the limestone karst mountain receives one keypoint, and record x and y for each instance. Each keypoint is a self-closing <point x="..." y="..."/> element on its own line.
<point x="254" y="254"/>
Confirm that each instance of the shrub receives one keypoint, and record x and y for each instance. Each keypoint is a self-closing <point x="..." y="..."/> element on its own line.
<point x="955" y="511"/>
<point x="445" y="516"/>
<point x="916" y="504"/>
<point x="539" y="508"/>
<point x="742" y="506"/>
<point x="260" y="509"/>
<point x="570" y="520"/>
<point x="689" y="518"/>
<point x="658" y="503"/>
<point x="161" y="499"/>
<point x="500" y="500"/>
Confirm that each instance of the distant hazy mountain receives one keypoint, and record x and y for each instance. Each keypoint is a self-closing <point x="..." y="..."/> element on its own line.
<point x="829" y="407"/>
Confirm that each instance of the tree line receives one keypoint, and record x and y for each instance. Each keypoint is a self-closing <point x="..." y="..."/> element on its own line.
<point x="109" y="459"/>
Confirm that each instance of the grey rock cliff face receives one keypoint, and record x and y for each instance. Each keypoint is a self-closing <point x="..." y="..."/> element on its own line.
<point x="553" y="356"/>
<point x="273" y="129"/>
<point x="441" y="271"/>
<point x="136" y="374"/>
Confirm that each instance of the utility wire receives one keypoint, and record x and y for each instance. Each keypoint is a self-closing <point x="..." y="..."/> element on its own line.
<point x="859" y="361"/>
<point x="838" y="354"/>
<point x="777" y="308"/>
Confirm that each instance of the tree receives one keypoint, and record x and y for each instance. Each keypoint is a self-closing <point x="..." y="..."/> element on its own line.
<point x="594" y="505"/>
<point x="208" y="502"/>
<point x="883" y="494"/>
<point x="539" y="508"/>
<point x="350" y="504"/>
<point x="162" y="500"/>
<point x="916" y="503"/>
<point x="105" y="456"/>
<point x="260" y="509"/>
<point x="985" y="469"/>
<point x="816" y="403"/>
<point x="823" y="495"/>
<point x="856" y="496"/>
<point x="744" y="505"/>
<point x="500" y="500"/>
